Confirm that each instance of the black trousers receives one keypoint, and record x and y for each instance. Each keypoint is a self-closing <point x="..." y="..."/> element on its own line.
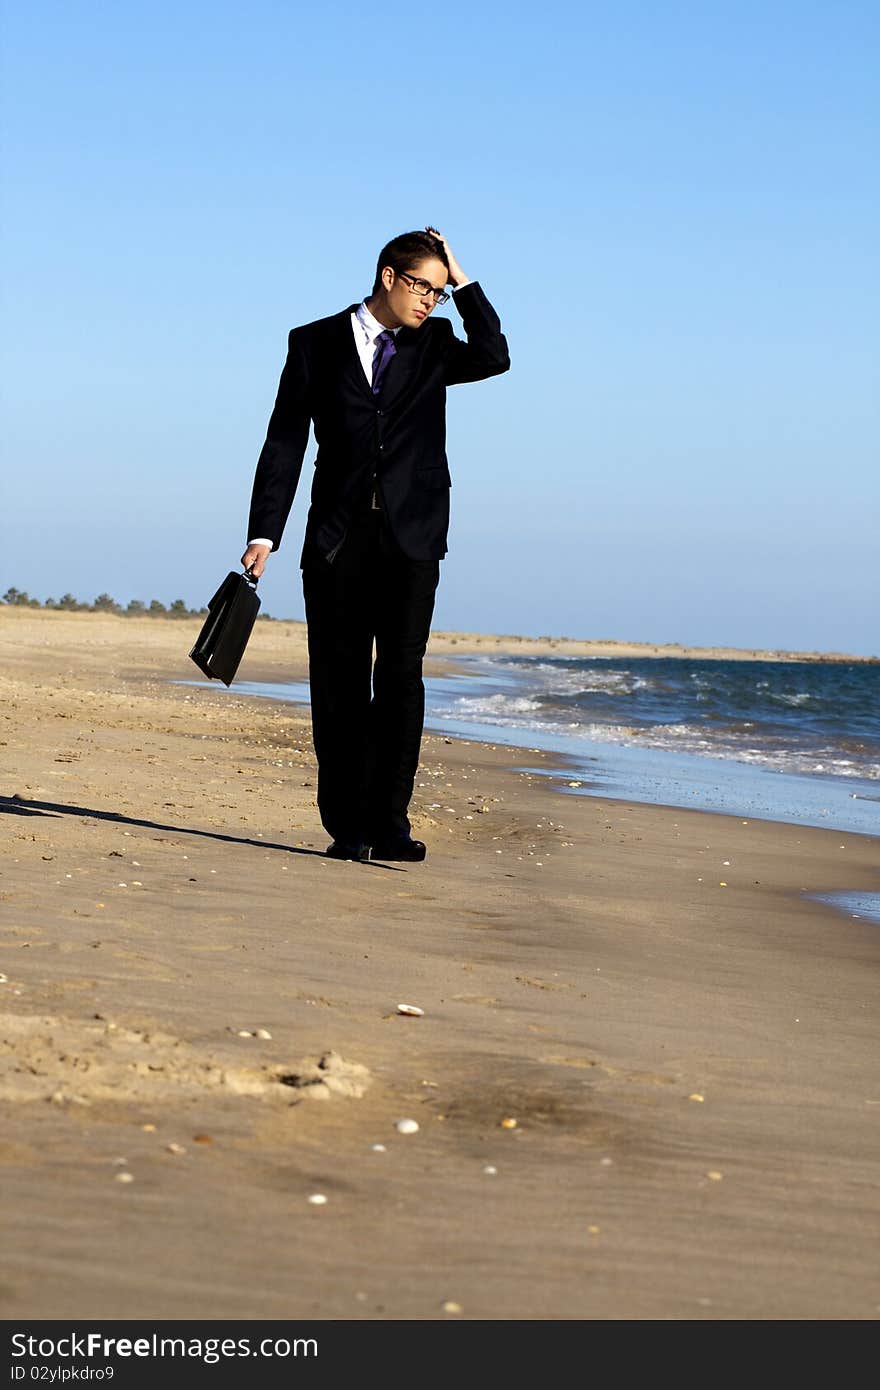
<point x="367" y="719"/>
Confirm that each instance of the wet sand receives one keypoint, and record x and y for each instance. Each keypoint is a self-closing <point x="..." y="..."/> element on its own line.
<point x="686" y="1043"/>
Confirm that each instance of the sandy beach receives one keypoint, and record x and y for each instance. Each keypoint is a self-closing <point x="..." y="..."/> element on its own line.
<point x="645" y="1078"/>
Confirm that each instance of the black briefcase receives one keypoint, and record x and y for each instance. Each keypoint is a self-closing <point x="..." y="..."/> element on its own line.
<point x="232" y="613"/>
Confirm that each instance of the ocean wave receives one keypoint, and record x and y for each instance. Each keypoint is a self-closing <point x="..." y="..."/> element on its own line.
<point x="801" y="698"/>
<point x="476" y="705"/>
<point x="618" y="682"/>
<point x="523" y="712"/>
<point x="725" y="710"/>
<point x="575" y="680"/>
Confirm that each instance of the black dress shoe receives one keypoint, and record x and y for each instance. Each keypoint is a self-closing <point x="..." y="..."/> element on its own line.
<point x="341" y="849"/>
<point x="402" y="848"/>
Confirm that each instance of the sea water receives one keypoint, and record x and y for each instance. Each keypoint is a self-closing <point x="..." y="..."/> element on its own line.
<point x="791" y="741"/>
<point x="787" y="741"/>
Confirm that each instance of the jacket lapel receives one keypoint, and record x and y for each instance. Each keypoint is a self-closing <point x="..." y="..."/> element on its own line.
<point x="347" y="353"/>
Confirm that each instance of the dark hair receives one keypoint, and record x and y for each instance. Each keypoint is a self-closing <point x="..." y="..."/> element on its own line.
<point x="405" y="250"/>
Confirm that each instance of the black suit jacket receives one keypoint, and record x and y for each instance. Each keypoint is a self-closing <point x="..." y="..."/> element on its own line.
<point x="395" y="442"/>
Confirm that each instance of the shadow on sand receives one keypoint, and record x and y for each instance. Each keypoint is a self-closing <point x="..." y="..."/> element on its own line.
<point x="18" y="806"/>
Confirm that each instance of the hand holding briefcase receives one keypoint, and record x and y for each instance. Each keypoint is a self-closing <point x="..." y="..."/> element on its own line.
<point x="232" y="613"/>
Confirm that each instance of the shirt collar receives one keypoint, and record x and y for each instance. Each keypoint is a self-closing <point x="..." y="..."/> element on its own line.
<point x="370" y="324"/>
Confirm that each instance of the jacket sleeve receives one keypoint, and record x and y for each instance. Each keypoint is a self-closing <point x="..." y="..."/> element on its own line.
<point x="485" y="352"/>
<point x="281" y="457"/>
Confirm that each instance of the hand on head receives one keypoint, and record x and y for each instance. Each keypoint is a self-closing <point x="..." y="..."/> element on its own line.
<point x="456" y="274"/>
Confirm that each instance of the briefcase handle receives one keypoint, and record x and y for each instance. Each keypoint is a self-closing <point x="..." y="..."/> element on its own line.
<point x="248" y="576"/>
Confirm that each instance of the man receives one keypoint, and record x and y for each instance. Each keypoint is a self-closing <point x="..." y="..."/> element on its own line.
<point x="373" y="380"/>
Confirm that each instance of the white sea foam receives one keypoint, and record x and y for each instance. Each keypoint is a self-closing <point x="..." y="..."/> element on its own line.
<point x="524" y="712"/>
<point x="473" y="706"/>
<point x="571" y="681"/>
<point x="621" y="682"/>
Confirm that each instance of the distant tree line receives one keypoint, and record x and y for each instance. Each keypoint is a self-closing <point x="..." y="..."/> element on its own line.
<point x="136" y="608"/>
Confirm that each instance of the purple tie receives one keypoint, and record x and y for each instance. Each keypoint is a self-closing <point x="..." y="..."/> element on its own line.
<point x="385" y="350"/>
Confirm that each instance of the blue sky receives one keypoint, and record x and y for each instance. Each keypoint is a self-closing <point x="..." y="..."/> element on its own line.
<point x="673" y="207"/>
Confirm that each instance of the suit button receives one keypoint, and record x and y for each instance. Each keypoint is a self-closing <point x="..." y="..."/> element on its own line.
<point x="381" y="447"/>
<point x="380" y="412"/>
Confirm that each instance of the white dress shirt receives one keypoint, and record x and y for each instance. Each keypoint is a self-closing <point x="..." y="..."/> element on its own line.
<point x="366" y="329"/>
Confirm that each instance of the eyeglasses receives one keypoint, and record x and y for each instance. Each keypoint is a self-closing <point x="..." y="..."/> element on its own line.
<point x="422" y="287"/>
